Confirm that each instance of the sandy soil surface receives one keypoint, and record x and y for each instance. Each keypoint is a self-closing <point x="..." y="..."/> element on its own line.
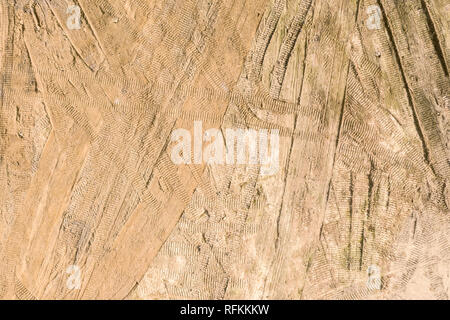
<point x="94" y="206"/>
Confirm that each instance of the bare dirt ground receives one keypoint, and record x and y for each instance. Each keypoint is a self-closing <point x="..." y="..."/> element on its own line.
<point x="92" y="206"/>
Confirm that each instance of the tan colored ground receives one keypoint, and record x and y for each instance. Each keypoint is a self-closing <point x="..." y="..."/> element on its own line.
<point x="360" y="96"/>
